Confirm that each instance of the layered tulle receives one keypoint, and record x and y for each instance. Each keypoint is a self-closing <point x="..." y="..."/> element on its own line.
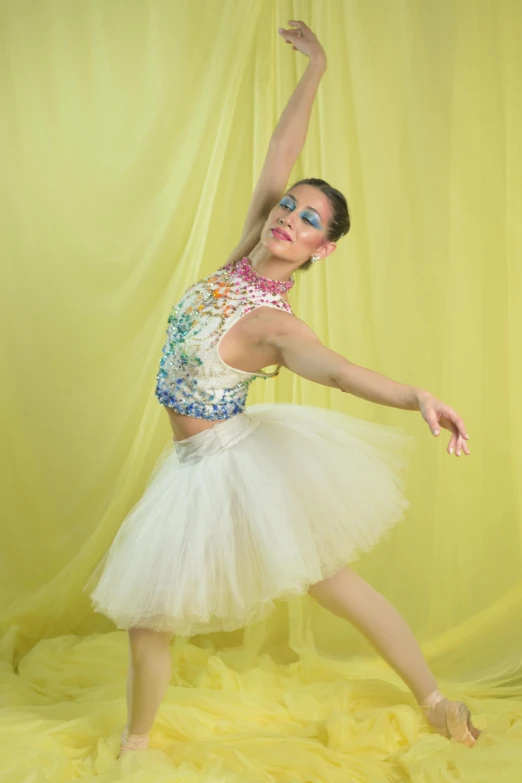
<point x="257" y="508"/>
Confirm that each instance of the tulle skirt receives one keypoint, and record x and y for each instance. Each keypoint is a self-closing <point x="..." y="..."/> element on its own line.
<point x="257" y="508"/>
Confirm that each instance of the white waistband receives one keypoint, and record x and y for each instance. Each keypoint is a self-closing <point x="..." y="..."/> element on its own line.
<point x="215" y="439"/>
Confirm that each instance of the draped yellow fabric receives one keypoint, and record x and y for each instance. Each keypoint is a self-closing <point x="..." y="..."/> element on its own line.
<point x="132" y="136"/>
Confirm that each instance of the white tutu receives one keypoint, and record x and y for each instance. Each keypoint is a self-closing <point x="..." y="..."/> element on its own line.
<point x="257" y="508"/>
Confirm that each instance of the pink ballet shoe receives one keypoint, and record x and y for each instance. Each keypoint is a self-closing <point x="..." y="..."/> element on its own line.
<point x="457" y="719"/>
<point x="132" y="742"/>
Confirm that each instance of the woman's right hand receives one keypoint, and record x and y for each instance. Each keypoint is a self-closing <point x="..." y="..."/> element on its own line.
<point x="306" y="43"/>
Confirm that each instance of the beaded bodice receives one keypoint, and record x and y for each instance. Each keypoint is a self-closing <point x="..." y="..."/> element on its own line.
<point x="192" y="378"/>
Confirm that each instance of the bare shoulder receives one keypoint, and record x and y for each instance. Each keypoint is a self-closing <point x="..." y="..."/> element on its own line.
<point x="273" y="323"/>
<point x="291" y="343"/>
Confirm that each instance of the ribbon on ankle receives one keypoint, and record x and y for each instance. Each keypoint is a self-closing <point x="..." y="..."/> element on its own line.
<point x="134" y="741"/>
<point x="432" y="700"/>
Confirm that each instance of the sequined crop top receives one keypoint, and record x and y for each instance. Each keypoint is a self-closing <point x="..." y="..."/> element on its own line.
<point x="193" y="379"/>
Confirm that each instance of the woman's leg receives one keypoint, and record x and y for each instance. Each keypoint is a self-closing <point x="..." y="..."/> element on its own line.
<point x="148" y="677"/>
<point x="349" y="596"/>
<point x="130" y="675"/>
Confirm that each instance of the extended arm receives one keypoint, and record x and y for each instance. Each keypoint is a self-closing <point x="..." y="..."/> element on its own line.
<point x="289" y="135"/>
<point x="298" y="348"/>
<point x="301" y="351"/>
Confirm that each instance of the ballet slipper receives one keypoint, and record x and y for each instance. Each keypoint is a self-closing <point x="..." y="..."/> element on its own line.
<point x="457" y="719"/>
<point x="132" y="742"/>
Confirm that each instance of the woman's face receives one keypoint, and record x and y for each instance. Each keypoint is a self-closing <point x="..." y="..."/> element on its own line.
<point x="302" y="214"/>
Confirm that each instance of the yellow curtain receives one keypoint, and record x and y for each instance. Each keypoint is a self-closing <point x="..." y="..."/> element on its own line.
<point x="132" y="136"/>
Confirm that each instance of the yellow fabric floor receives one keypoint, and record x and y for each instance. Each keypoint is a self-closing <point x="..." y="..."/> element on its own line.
<point x="252" y="712"/>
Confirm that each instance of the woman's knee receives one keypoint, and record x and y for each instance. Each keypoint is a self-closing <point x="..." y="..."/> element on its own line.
<point x="327" y="588"/>
<point x="144" y="642"/>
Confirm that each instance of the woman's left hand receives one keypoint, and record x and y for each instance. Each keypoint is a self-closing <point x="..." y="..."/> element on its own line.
<point x="436" y="414"/>
<point x="303" y="39"/>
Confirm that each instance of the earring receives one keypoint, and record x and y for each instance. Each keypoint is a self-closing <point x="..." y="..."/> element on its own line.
<point x="314" y="259"/>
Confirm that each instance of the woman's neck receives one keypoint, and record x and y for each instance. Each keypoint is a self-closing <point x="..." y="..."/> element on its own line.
<point x="268" y="265"/>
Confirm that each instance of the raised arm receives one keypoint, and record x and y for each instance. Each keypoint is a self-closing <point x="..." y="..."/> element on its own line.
<point x="289" y="135"/>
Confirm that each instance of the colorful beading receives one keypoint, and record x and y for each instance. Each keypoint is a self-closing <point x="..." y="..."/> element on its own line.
<point x="193" y="379"/>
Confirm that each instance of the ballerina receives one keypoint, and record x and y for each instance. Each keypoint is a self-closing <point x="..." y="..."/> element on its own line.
<point x="252" y="504"/>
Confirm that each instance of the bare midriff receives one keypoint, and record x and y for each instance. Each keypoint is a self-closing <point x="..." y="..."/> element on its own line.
<point x="186" y="426"/>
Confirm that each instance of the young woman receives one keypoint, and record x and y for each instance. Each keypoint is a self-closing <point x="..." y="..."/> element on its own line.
<point x="249" y="505"/>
